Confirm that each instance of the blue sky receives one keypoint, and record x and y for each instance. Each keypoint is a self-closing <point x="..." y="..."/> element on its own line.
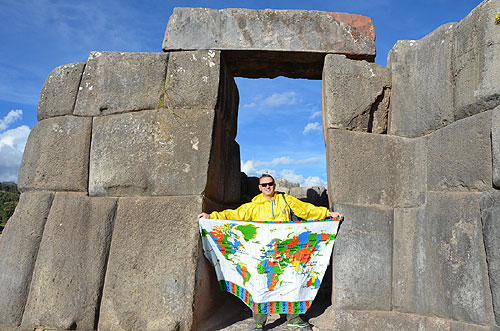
<point x="279" y="128"/>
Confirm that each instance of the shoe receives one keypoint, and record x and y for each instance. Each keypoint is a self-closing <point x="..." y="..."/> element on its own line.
<point x="300" y="325"/>
<point x="258" y="327"/>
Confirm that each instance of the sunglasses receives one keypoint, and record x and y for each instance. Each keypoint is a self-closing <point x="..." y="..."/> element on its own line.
<point x="266" y="184"/>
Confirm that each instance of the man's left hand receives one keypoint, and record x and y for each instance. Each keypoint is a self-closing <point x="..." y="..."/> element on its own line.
<point x="335" y="214"/>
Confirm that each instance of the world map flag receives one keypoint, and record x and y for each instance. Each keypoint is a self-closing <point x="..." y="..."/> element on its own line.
<point x="273" y="267"/>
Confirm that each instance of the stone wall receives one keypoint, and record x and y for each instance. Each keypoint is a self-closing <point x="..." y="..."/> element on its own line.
<point x="418" y="248"/>
<point x="127" y="149"/>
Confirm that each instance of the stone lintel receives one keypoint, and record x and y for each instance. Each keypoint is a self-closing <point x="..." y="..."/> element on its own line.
<point x="270" y="43"/>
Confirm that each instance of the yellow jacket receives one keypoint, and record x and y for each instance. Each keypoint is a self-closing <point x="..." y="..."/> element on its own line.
<point x="261" y="209"/>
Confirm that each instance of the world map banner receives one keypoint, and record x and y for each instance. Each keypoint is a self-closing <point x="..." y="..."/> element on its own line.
<point x="273" y="267"/>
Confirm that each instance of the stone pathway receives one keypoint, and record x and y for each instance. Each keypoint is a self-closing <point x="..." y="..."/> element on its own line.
<point x="274" y="322"/>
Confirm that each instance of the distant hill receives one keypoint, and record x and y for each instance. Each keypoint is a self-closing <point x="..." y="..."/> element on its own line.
<point x="9" y="197"/>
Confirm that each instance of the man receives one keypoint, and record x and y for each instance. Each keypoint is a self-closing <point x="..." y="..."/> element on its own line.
<point x="271" y="206"/>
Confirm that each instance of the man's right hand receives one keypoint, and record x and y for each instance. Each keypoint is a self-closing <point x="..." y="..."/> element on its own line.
<point x="203" y="215"/>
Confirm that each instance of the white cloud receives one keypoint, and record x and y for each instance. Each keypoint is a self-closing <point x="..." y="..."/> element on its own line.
<point x="12" y="144"/>
<point x="279" y="99"/>
<point x="274" y="100"/>
<point x="11" y="117"/>
<point x="312" y="127"/>
<point x="248" y="167"/>
<point x="250" y="105"/>
<point x="291" y="176"/>
<point x="314" y="181"/>
<point x="257" y="168"/>
<point x="315" y="114"/>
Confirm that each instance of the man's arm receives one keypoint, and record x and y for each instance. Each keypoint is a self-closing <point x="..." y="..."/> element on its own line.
<point x="309" y="211"/>
<point x="243" y="212"/>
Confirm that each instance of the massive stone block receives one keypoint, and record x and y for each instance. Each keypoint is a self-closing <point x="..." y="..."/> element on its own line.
<point x="269" y="43"/>
<point x="223" y="182"/>
<point x="439" y="260"/>
<point x="152" y="152"/>
<point x="69" y="271"/>
<point x="495" y="146"/>
<point x="19" y="245"/>
<point x="115" y="82"/>
<point x="56" y="156"/>
<point x="352" y="94"/>
<point x="490" y="213"/>
<point x="372" y="169"/>
<point x="362" y="259"/>
<point x="421" y="100"/>
<point x="152" y="286"/>
<point x="476" y="67"/>
<point x="58" y="94"/>
<point x="461" y="79"/>
<point x="228" y="100"/>
<point x="198" y="80"/>
<point x="459" y="155"/>
<point x="192" y="80"/>
<point x="316" y="195"/>
<point x="351" y="320"/>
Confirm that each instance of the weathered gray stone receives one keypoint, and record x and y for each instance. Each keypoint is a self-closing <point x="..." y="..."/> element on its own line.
<point x="476" y="66"/>
<point x="372" y="169"/>
<point x="316" y="195"/>
<point x="351" y="320"/>
<point x="490" y="213"/>
<point x="198" y="80"/>
<point x="461" y="79"/>
<point x="408" y="264"/>
<point x="151" y="152"/>
<point x="153" y="286"/>
<point x="495" y="146"/>
<point x="283" y="183"/>
<point x="192" y="80"/>
<point x="19" y="245"/>
<point x="58" y="94"/>
<point x="56" y="156"/>
<point x="223" y="182"/>
<point x="69" y="271"/>
<point x="268" y="43"/>
<point x="362" y="259"/>
<point x="228" y="100"/>
<point x="459" y="155"/>
<point x="445" y="272"/>
<point x="120" y="82"/>
<point x="21" y="328"/>
<point x="352" y="94"/>
<point x="458" y="326"/>
<point x="250" y="187"/>
<point x="421" y="100"/>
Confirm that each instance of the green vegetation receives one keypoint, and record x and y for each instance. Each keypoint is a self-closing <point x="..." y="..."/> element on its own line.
<point x="497" y="18"/>
<point x="9" y="196"/>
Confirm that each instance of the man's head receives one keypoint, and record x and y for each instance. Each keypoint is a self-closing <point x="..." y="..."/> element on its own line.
<point x="267" y="186"/>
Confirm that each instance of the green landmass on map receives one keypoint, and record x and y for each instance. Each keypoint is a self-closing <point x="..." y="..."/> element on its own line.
<point x="249" y="231"/>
